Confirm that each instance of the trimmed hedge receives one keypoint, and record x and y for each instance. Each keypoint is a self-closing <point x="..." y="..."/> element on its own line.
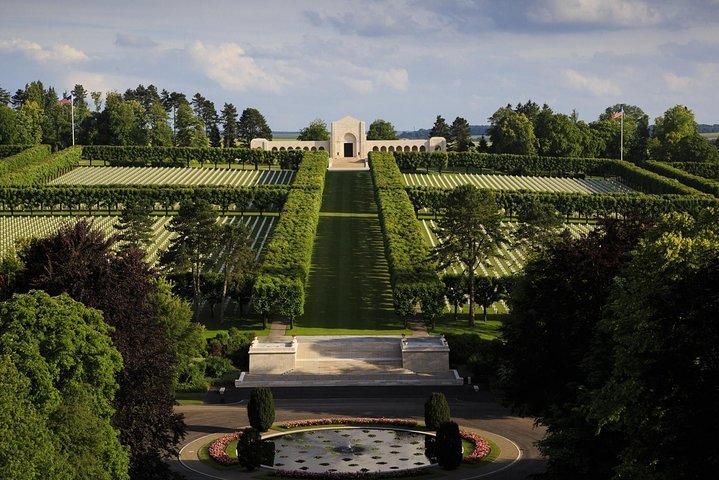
<point x="141" y="156"/>
<point x="112" y="197"/>
<point x="700" y="183"/>
<point x="286" y="267"/>
<point x="634" y="176"/>
<point x="261" y="409"/>
<point x="573" y="204"/>
<point x="8" y="150"/>
<point x="708" y="170"/>
<point x="23" y="159"/>
<point x="413" y="274"/>
<point x="42" y="170"/>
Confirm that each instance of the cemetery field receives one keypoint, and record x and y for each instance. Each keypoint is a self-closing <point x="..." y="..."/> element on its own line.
<point x="508" y="259"/>
<point x="173" y="176"/>
<point x="515" y="182"/>
<point x="14" y="229"/>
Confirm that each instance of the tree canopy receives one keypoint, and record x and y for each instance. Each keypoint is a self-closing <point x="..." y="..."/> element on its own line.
<point x="252" y="124"/>
<point x="381" y="130"/>
<point x="315" y="131"/>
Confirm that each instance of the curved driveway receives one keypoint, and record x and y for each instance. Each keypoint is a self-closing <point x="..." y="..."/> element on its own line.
<point x="475" y="411"/>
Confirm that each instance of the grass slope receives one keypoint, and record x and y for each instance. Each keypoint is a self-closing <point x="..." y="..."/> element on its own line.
<point x="349" y="290"/>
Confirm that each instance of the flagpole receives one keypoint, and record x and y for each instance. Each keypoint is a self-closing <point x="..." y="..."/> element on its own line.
<point x="621" y="136"/>
<point x="72" y="115"/>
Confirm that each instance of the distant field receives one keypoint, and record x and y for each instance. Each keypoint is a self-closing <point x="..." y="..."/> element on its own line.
<point x="710" y="136"/>
<point x="17" y="228"/>
<point x="172" y="176"/>
<point x="515" y="182"/>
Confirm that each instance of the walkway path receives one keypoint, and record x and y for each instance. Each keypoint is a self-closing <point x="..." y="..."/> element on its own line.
<point x="349" y="285"/>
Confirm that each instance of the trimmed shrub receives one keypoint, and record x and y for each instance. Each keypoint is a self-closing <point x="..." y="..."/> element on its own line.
<point x="448" y="446"/>
<point x="249" y="449"/>
<point x="261" y="409"/>
<point x="436" y="411"/>
<point x="695" y="181"/>
<point x="215" y="366"/>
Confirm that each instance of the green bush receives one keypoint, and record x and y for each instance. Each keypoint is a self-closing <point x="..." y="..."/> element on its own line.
<point x="191" y="378"/>
<point x="9" y="150"/>
<point x="261" y="409"/>
<point x="709" y="170"/>
<point x="695" y="181"/>
<point x="233" y="344"/>
<point x="23" y="159"/>
<point x="436" y="411"/>
<point x="448" y="446"/>
<point x="249" y="449"/>
<point x="216" y="367"/>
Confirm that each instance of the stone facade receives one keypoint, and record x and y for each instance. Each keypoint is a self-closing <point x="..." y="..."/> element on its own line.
<point x="348" y="143"/>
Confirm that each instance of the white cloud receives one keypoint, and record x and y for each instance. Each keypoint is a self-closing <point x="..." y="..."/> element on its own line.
<point x="613" y="13"/>
<point x="58" y="52"/>
<point x="229" y="66"/>
<point x="123" y="40"/>
<point x="594" y="85"/>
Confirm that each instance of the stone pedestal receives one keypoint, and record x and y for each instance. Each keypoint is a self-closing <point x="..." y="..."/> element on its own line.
<point x="272" y="356"/>
<point x="425" y="354"/>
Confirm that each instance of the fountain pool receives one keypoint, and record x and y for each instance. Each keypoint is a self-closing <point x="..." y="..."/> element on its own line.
<point x="349" y="450"/>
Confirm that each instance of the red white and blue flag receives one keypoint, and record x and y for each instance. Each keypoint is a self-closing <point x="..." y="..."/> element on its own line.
<point x="618" y="114"/>
<point x="66" y="100"/>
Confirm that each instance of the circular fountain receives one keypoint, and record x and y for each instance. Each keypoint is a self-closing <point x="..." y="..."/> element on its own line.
<point x="349" y="450"/>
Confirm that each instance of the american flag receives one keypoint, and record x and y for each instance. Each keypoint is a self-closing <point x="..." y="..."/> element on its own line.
<point x="616" y="115"/>
<point x="66" y="100"/>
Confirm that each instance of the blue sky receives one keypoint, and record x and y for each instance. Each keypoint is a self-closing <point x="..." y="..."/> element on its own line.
<point x="405" y="61"/>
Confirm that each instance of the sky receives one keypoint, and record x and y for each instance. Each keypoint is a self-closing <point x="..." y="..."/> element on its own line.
<point x="405" y="61"/>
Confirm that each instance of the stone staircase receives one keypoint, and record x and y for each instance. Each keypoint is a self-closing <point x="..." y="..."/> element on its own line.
<point x="345" y="361"/>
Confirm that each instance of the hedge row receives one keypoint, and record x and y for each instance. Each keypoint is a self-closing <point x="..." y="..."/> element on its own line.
<point x="634" y="176"/>
<point x="140" y="156"/>
<point x="8" y="150"/>
<point x="708" y="170"/>
<point x="573" y="204"/>
<point x="413" y="274"/>
<point x="700" y="183"/>
<point x="280" y="287"/>
<point x="23" y="159"/>
<point x="41" y="171"/>
<point x="259" y="198"/>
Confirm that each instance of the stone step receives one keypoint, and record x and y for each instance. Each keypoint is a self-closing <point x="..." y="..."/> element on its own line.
<point x="294" y="379"/>
<point x="349" y="367"/>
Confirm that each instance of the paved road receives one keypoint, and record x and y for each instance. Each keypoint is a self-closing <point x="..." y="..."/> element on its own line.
<point x="473" y="410"/>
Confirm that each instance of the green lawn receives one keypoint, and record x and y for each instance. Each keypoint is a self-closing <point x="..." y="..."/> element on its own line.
<point x="488" y="330"/>
<point x="349" y="290"/>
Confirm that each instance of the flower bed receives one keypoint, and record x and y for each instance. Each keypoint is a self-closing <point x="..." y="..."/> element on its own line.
<point x="218" y="448"/>
<point x="410" y="472"/>
<point x="481" y="447"/>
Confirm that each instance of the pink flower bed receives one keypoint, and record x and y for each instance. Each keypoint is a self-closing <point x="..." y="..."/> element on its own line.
<point x="410" y="472"/>
<point x="218" y="449"/>
<point x="481" y="447"/>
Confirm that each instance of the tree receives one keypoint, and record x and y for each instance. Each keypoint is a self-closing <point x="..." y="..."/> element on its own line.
<point x="440" y="128"/>
<point x="228" y="117"/>
<point x="186" y="339"/>
<point x="487" y="291"/>
<point x="4" y="97"/>
<point x="81" y="262"/>
<point x="436" y="411"/>
<point x="454" y="290"/>
<point x="449" y="446"/>
<point x="459" y="135"/>
<point x="676" y="124"/>
<point x="662" y="336"/>
<point x="315" y="131"/>
<point x="190" y="129"/>
<point x="511" y="132"/>
<point x="239" y="261"/>
<point x="555" y="308"/>
<point x="135" y="224"/>
<point x="249" y="449"/>
<point x="160" y="133"/>
<point x="8" y="123"/>
<point x="381" y="130"/>
<point x="252" y="124"/>
<point x="539" y="225"/>
<point x="64" y="349"/>
<point x="190" y="250"/>
<point x="469" y="231"/>
<point x="261" y="409"/>
<point x="28" y="130"/>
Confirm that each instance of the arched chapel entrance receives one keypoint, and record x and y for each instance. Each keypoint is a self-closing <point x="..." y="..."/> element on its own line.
<point x="350" y="142"/>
